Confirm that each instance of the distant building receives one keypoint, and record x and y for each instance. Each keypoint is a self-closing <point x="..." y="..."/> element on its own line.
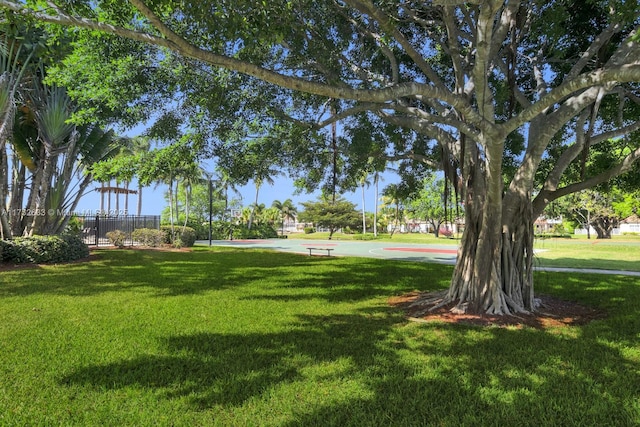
<point x="544" y="225"/>
<point x="630" y="224"/>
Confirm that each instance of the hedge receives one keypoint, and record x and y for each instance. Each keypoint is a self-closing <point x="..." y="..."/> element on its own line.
<point x="148" y="236"/>
<point x="43" y="249"/>
<point x="184" y="236"/>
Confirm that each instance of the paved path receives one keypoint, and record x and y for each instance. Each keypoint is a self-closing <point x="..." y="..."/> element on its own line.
<point x="441" y="253"/>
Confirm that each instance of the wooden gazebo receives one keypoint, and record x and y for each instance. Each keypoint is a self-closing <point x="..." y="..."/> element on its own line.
<point x="117" y="191"/>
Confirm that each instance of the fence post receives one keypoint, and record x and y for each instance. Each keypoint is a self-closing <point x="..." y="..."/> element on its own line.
<point x="96" y="233"/>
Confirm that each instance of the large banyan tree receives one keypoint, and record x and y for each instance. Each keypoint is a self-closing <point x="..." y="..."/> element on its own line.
<point x="506" y="96"/>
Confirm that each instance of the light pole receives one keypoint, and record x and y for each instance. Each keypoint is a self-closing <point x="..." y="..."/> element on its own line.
<point x="210" y="208"/>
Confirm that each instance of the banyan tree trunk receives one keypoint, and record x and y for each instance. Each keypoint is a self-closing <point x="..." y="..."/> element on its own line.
<point x="493" y="273"/>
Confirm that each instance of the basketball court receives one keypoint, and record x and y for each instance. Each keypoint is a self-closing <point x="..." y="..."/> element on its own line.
<point x="372" y="249"/>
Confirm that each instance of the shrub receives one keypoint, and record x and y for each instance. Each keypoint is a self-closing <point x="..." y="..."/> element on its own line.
<point x="44" y="249"/>
<point x="258" y="231"/>
<point x="368" y="236"/>
<point x="74" y="226"/>
<point x="445" y="232"/>
<point x="116" y="237"/>
<point x="553" y="235"/>
<point x="183" y="236"/>
<point x="220" y="230"/>
<point x="75" y="247"/>
<point x="309" y="230"/>
<point x="148" y="237"/>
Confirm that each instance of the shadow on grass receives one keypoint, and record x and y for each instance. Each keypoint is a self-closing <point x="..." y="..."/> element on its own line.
<point x="185" y="273"/>
<point x="404" y="375"/>
<point x="165" y="273"/>
<point x="367" y="367"/>
<point x="229" y="369"/>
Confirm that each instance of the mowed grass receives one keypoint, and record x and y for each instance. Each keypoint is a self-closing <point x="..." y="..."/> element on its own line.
<point x="621" y="253"/>
<point x="618" y="253"/>
<point x="234" y="337"/>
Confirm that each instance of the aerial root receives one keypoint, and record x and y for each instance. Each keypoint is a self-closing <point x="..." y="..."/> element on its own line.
<point x="429" y="298"/>
<point x="429" y="301"/>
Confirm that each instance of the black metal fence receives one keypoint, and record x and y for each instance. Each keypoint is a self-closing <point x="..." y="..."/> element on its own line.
<point x="95" y="228"/>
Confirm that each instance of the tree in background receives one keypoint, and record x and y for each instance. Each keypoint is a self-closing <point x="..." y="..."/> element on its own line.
<point x="593" y="209"/>
<point x="287" y="211"/>
<point x="627" y="204"/>
<point x="431" y="205"/>
<point x="50" y="154"/>
<point x="600" y="210"/>
<point x="331" y="215"/>
<point x="394" y="196"/>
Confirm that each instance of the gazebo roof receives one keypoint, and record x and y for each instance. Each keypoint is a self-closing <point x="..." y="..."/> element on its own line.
<point x="116" y="190"/>
<point x="632" y="219"/>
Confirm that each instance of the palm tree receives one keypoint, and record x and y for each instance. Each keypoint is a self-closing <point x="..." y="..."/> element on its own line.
<point x="363" y="182"/>
<point x="393" y="195"/>
<point x="287" y="211"/>
<point x="55" y="135"/>
<point x="222" y="181"/>
<point x="135" y="146"/>
<point x="258" y="180"/>
<point x="263" y="172"/>
<point x="376" y="181"/>
<point x="271" y="215"/>
<point x="17" y="60"/>
<point x="92" y="145"/>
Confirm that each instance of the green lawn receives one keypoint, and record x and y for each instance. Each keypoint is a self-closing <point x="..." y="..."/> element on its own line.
<point x="600" y="254"/>
<point x="236" y="337"/>
<point x="618" y="253"/>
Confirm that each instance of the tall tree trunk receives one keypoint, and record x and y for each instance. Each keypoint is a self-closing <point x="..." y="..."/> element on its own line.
<point x="102" y="197"/>
<point x="126" y="198"/>
<point x="375" y="212"/>
<point x="603" y="225"/>
<point x="40" y="184"/>
<point x="117" y="193"/>
<point x="40" y="208"/>
<point x="5" y="227"/>
<point x="255" y="205"/>
<point x="36" y="178"/>
<point x="493" y="273"/>
<point x="18" y="183"/>
<point x="364" y="218"/>
<point x="74" y="205"/>
<point x="187" y="206"/>
<point x="173" y="234"/>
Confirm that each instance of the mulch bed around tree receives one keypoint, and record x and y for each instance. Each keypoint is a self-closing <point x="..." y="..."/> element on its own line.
<point x="553" y="312"/>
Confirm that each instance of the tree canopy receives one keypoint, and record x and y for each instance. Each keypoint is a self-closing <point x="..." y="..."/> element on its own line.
<point x="485" y="90"/>
<point x="330" y="214"/>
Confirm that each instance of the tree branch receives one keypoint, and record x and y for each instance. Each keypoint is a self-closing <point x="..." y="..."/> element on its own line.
<point x="545" y="197"/>
<point x="367" y="7"/>
<point x="178" y="44"/>
<point x="619" y="74"/>
<point x="593" y="49"/>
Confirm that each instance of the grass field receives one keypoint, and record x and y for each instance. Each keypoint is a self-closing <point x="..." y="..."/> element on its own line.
<point x="234" y="337"/>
